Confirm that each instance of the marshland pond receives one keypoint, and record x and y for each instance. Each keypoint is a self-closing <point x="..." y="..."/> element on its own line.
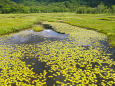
<point x="63" y="55"/>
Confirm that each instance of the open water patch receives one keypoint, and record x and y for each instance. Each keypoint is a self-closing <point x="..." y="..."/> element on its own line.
<point x="31" y="37"/>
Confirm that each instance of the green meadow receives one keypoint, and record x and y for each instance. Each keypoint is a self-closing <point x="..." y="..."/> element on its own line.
<point x="10" y="23"/>
<point x="83" y="58"/>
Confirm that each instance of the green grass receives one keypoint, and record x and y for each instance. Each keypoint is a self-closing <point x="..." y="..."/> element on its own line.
<point x="15" y="22"/>
<point x="38" y="28"/>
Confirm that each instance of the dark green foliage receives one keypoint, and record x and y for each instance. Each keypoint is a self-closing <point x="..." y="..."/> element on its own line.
<point x="7" y="6"/>
<point x="36" y="6"/>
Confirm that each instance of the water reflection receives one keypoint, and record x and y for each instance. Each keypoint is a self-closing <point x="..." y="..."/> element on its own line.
<point x="29" y="36"/>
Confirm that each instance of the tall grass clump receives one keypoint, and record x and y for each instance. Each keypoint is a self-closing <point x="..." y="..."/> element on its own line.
<point x="37" y="28"/>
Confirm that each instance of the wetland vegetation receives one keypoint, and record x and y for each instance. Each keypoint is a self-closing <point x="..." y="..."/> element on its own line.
<point x="38" y="28"/>
<point x="73" y="56"/>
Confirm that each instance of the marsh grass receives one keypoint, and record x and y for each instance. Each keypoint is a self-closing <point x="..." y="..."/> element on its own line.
<point x="38" y="28"/>
<point x="101" y="23"/>
<point x="16" y="22"/>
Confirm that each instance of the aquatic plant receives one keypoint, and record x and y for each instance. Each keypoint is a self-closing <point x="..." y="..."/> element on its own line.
<point x="80" y="60"/>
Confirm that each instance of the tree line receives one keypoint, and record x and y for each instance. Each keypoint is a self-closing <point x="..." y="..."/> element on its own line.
<point x="44" y="6"/>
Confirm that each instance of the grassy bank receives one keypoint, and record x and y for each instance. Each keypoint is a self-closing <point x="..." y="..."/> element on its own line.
<point x="15" y="22"/>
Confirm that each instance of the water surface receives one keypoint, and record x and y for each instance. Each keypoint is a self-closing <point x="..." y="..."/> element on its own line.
<point x="29" y="36"/>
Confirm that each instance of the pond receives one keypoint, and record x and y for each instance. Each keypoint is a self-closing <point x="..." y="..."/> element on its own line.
<point x="50" y="58"/>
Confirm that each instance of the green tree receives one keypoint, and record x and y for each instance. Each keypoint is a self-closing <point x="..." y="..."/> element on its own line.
<point x="101" y="8"/>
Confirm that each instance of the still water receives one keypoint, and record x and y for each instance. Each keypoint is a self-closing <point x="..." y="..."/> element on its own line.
<point x="29" y="36"/>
